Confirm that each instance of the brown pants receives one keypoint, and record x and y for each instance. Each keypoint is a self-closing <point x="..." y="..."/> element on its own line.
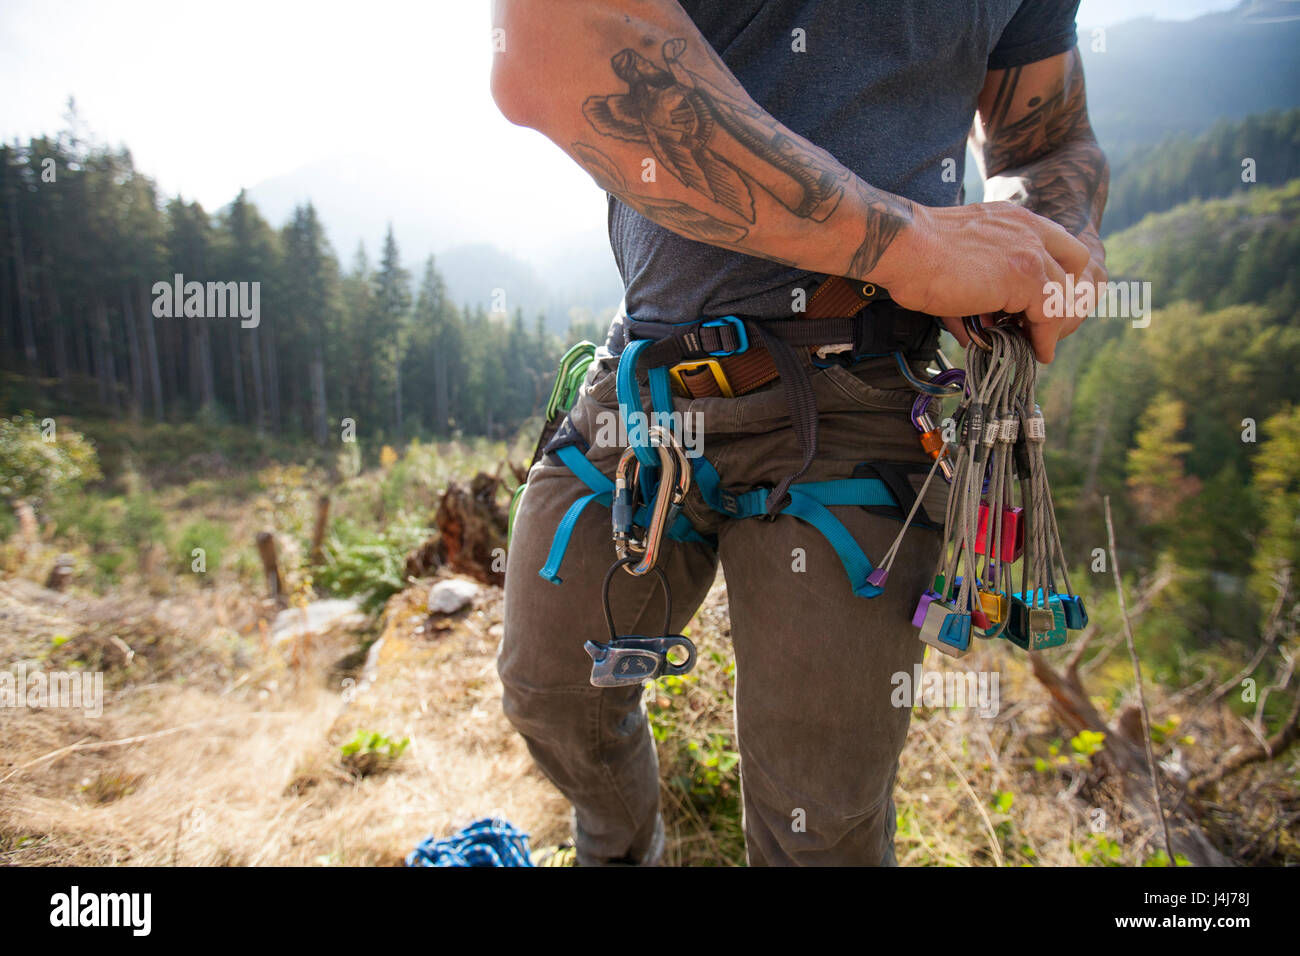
<point x="818" y="737"/>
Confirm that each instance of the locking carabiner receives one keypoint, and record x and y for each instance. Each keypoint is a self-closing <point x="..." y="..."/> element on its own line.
<point x="938" y="386"/>
<point x="953" y="381"/>
<point x="674" y="483"/>
<point x="633" y="658"/>
<point x="976" y="329"/>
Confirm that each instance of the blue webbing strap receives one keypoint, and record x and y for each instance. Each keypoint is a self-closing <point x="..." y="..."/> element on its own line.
<point x="661" y="395"/>
<point x="560" y="543"/>
<point x="808" y="502"/>
<point x="629" y="402"/>
<point x="661" y="401"/>
<point x="602" y="491"/>
<point x="849" y="491"/>
<point x="586" y="472"/>
<point x="841" y="491"/>
<point x="856" y="565"/>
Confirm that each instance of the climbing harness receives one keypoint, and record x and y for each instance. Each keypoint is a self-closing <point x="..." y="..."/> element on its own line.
<point x="1001" y="436"/>
<point x="999" y="451"/>
<point x="730" y="356"/>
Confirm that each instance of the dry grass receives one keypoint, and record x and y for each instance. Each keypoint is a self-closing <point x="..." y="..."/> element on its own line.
<point x="217" y="749"/>
<point x="247" y="770"/>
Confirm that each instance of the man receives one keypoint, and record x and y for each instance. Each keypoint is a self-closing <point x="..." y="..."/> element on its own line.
<point x="751" y="150"/>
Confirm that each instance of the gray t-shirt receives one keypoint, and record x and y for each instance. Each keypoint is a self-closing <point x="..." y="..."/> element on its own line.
<point x="889" y="87"/>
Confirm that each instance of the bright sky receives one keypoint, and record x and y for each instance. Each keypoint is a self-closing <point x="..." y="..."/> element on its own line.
<point x="214" y="96"/>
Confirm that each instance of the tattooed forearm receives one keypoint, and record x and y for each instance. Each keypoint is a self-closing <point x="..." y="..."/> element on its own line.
<point x="1047" y="158"/>
<point x="677" y="216"/>
<point x="681" y="143"/>
<point x="888" y="216"/>
<point x="712" y="142"/>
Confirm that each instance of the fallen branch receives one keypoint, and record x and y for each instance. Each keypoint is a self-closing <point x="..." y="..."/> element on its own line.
<point x="1122" y="753"/>
<point x="1268" y="749"/>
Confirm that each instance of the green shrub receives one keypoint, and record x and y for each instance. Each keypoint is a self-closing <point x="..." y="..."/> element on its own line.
<point x="690" y="720"/>
<point x="365" y="564"/>
<point x="213" y="538"/>
<point x="35" y="469"/>
<point x="370" y="752"/>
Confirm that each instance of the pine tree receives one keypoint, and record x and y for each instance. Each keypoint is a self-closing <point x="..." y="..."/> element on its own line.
<point x="391" y="319"/>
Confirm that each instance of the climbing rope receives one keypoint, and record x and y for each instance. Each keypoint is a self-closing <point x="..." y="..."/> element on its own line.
<point x="486" y="842"/>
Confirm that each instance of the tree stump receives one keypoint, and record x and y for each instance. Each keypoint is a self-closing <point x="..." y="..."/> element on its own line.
<point x="316" y="555"/>
<point x="472" y="530"/>
<point x="270" y="564"/>
<point x="61" y="573"/>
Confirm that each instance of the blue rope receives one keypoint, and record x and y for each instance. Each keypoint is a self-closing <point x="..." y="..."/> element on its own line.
<point x="486" y="842"/>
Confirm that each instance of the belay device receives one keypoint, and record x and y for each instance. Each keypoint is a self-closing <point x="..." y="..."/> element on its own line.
<point x="631" y="659"/>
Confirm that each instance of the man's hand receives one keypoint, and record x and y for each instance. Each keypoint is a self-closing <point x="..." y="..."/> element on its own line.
<point x="985" y="258"/>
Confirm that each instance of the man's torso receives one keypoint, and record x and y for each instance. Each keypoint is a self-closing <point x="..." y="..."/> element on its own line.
<point x="888" y="88"/>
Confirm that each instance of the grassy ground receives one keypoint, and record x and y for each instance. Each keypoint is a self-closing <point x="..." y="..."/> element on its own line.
<point x="219" y="746"/>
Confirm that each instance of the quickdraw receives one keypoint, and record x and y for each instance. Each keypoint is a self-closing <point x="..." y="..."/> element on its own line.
<point x="564" y="392"/>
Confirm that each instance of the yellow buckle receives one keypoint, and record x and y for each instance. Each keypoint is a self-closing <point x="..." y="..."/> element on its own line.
<point x="713" y="366"/>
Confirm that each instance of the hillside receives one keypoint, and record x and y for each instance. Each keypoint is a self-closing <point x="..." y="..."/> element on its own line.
<point x="1233" y="156"/>
<point x="1243" y="248"/>
<point x="1157" y="78"/>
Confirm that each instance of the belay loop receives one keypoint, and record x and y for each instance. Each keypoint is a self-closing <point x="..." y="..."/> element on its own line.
<point x="631" y="659"/>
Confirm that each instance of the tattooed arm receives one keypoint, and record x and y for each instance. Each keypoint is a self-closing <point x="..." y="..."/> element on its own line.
<point x="638" y="98"/>
<point x="1036" y="148"/>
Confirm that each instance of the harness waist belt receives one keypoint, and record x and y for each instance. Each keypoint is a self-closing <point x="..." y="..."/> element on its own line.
<point x="697" y="351"/>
